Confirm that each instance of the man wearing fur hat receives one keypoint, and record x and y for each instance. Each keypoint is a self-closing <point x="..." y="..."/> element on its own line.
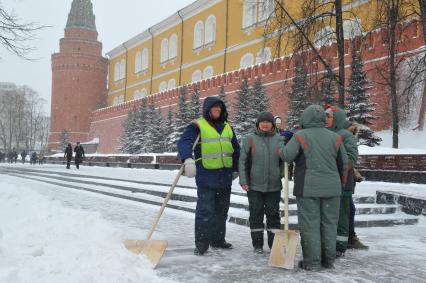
<point x="214" y="165"/>
<point x="260" y="170"/>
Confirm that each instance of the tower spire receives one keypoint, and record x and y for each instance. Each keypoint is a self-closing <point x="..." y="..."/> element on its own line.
<point x="81" y="15"/>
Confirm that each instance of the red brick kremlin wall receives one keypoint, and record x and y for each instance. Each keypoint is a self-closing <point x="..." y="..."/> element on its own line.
<point x="106" y="123"/>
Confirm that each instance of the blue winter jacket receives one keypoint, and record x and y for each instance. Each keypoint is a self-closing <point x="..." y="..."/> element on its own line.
<point x="209" y="178"/>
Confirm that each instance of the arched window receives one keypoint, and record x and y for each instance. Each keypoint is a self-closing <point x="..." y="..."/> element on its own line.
<point x="246" y="60"/>
<point x="198" y="34"/>
<point x="143" y="93"/>
<point x="324" y="36"/>
<point x="121" y="99"/>
<point x="138" y="62"/>
<point x="171" y="84"/>
<point x="352" y="28"/>
<point x="173" y="46"/>
<point x="116" y="71"/>
<point x="249" y="13"/>
<point x="115" y="101"/>
<point x="122" y="69"/>
<point x="210" y="35"/>
<point x="137" y="94"/>
<point x="163" y="86"/>
<point x="196" y="76"/>
<point x="145" y="59"/>
<point x="164" y="56"/>
<point x="266" y="8"/>
<point x="264" y="55"/>
<point x="208" y="72"/>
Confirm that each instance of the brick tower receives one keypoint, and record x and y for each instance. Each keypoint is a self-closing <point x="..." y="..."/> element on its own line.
<point x="79" y="74"/>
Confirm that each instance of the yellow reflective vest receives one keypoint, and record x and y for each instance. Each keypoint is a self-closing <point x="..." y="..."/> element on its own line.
<point x="216" y="149"/>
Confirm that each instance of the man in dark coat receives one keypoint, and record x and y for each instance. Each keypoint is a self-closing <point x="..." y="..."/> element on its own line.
<point x="23" y="156"/>
<point x="79" y="154"/>
<point x="68" y="155"/>
<point x="214" y="165"/>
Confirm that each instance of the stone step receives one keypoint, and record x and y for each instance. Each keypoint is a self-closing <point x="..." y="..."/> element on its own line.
<point x="414" y="205"/>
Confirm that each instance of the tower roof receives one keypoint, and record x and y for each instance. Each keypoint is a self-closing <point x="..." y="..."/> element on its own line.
<point x="81" y="15"/>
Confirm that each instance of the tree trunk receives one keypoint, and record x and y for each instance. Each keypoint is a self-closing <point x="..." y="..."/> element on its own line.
<point x="340" y="52"/>
<point x="421" y="120"/>
<point x="393" y="17"/>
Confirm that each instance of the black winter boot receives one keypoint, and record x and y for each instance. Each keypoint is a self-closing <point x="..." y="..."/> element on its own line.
<point x="258" y="246"/>
<point x="201" y="247"/>
<point x="271" y="236"/>
<point x="221" y="245"/>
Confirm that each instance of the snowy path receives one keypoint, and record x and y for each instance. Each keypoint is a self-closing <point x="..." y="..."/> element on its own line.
<point x="396" y="254"/>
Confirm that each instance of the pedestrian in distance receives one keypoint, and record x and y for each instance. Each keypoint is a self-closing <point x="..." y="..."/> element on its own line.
<point x="260" y="172"/>
<point x="320" y="169"/>
<point x="68" y="155"/>
<point x="33" y="159"/>
<point x="79" y="155"/>
<point x="41" y="158"/>
<point x="15" y="156"/>
<point x="214" y="165"/>
<point x="23" y="156"/>
<point x="335" y="120"/>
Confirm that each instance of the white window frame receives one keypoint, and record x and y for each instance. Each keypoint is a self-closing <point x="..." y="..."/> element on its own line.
<point x="264" y="55"/>
<point x="164" y="52"/>
<point x="122" y="69"/>
<point x="138" y="62"/>
<point x="145" y="59"/>
<point x="249" y="13"/>
<point x="352" y="28"/>
<point x="171" y="84"/>
<point x="208" y="72"/>
<point x="324" y="36"/>
<point x="265" y="10"/>
<point x="210" y="30"/>
<point x="196" y="76"/>
<point x="117" y="71"/>
<point x="198" y="35"/>
<point x="246" y="61"/>
<point x="162" y="87"/>
<point x="173" y="46"/>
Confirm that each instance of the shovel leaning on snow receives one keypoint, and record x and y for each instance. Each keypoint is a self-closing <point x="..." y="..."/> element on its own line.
<point x="154" y="249"/>
<point x="283" y="250"/>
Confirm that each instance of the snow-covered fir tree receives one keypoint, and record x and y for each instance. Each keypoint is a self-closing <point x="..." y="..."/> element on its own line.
<point x="157" y="129"/>
<point x="139" y="134"/>
<point x="242" y="121"/>
<point x="148" y="136"/>
<point x="182" y="117"/>
<point x="358" y="104"/>
<point x="259" y="100"/>
<point x="170" y="132"/>
<point x="64" y="140"/>
<point x="328" y="89"/>
<point x="194" y="106"/>
<point x="127" y="139"/>
<point x="298" y="97"/>
<point x="222" y="96"/>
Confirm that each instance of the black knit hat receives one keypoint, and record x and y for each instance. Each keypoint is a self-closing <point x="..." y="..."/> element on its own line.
<point x="265" y="116"/>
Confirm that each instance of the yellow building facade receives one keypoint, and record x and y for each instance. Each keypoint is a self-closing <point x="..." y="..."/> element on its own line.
<point x="208" y="38"/>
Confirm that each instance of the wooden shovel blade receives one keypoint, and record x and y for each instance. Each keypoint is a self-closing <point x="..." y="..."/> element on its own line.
<point x="283" y="250"/>
<point x="152" y="249"/>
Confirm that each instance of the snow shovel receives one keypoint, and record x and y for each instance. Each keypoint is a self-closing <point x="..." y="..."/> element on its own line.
<point x="284" y="247"/>
<point x="154" y="249"/>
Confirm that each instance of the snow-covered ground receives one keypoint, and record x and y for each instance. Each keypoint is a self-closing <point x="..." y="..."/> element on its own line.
<point x="410" y="142"/>
<point x="54" y="234"/>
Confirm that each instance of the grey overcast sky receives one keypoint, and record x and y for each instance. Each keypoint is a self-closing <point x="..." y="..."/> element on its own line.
<point x="116" y="22"/>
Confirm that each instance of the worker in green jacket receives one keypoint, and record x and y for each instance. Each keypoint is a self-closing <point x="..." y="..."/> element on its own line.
<point x="321" y="169"/>
<point x="260" y="171"/>
<point x="335" y="120"/>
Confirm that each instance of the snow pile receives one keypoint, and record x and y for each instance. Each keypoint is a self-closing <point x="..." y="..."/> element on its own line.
<point x="42" y="241"/>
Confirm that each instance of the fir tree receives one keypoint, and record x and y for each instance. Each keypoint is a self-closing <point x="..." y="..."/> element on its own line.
<point x="148" y="136"/>
<point x="170" y="133"/>
<point x="259" y="100"/>
<point x="194" y="107"/>
<point x="328" y="89"/>
<point x="222" y="96"/>
<point x="127" y="138"/>
<point x="358" y="104"/>
<point x="242" y="121"/>
<point x="298" y="98"/>
<point x="64" y="140"/>
<point x="139" y="134"/>
<point x="182" y="116"/>
<point x="156" y="130"/>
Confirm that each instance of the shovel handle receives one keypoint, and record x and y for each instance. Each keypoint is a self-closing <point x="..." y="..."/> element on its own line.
<point x="169" y="194"/>
<point x="286" y="197"/>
